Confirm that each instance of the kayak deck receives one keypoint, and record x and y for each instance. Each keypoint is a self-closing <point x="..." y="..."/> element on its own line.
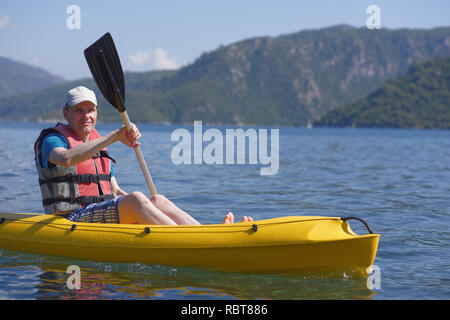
<point x="279" y="245"/>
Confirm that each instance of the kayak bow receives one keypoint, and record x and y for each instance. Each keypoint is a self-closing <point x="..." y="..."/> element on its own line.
<point x="279" y="245"/>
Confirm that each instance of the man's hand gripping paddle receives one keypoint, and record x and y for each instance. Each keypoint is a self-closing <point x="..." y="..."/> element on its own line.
<point x="106" y="69"/>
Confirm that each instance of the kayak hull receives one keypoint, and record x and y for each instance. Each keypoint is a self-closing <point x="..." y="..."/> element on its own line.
<point x="279" y="245"/>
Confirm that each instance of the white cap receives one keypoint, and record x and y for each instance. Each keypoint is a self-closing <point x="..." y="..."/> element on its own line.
<point x="80" y="94"/>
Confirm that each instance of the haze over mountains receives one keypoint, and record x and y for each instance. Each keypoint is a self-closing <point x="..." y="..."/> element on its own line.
<point x="293" y="79"/>
<point x="17" y="77"/>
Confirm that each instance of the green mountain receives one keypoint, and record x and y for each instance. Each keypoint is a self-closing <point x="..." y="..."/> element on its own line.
<point x="47" y="104"/>
<point x="292" y="79"/>
<point x="419" y="99"/>
<point x="17" y="77"/>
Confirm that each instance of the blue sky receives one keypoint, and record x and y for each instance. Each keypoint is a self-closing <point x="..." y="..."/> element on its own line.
<point x="156" y="34"/>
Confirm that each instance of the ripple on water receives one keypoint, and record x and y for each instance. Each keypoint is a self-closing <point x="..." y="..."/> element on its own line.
<point x="333" y="172"/>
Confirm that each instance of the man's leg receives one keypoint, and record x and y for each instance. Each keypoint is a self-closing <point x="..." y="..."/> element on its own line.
<point x="136" y="208"/>
<point x="181" y="217"/>
<point x="172" y="211"/>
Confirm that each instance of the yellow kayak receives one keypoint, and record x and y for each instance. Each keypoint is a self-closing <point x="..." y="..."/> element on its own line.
<point x="280" y="245"/>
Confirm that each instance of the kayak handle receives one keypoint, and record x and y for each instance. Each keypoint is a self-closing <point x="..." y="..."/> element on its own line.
<point x="345" y="219"/>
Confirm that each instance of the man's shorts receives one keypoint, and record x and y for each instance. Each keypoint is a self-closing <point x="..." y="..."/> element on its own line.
<point x="102" y="212"/>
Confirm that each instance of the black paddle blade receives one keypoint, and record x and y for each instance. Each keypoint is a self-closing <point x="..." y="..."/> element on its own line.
<point x="106" y="69"/>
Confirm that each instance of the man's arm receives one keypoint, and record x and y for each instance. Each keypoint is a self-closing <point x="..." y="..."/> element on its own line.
<point x="73" y="156"/>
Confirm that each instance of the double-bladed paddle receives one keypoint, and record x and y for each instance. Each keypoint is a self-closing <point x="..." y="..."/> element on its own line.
<point x="106" y="69"/>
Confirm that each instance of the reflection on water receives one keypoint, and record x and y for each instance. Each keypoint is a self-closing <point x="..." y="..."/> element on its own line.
<point x="47" y="280"/>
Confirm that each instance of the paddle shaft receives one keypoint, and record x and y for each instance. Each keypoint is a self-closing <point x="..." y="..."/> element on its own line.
<point x="139" y="155"/>
<point x="126" y="120"/>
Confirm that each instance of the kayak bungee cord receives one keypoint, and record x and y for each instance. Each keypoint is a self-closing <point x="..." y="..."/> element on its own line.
<point x="254" y="227"/>
<point x="345" y="219"/>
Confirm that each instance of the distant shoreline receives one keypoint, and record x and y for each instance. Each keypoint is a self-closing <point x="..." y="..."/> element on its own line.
<point x="54" y="121"/>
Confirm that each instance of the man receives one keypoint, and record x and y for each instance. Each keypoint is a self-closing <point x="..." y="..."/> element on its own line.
<point x="77" y="179"/>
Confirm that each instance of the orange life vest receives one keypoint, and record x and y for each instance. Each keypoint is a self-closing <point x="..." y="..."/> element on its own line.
<point x="67" y="189"/>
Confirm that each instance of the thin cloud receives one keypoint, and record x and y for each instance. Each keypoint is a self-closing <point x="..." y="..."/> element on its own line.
<point x="153" y="59"/>
<point x="5" y="21"/>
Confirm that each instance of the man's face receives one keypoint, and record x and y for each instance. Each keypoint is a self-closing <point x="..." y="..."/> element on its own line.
<point x="82" y="118"/>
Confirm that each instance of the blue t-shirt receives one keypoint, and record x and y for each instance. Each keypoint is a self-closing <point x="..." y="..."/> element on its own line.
<point x="52" y="141"/>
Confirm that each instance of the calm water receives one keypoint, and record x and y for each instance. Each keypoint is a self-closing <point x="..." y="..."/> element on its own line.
<point x="396" y="180"/>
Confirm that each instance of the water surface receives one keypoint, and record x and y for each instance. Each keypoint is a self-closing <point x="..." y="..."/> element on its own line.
<point x="396" y="180"/>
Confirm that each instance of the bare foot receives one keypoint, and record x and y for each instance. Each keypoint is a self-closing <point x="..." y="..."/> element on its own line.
<point x="229" y="218"/>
